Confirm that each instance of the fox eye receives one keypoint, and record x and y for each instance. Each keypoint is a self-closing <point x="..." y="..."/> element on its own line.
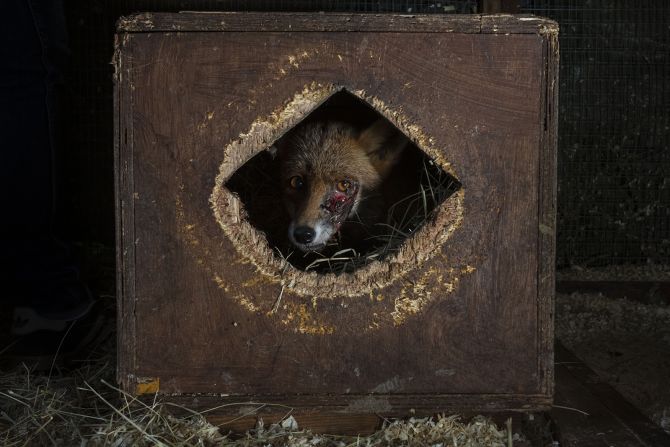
<point x="343" y="185"/>
<point x="296" y="182"/>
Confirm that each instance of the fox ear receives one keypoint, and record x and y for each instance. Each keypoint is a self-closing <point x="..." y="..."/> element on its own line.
<point x="383" y="144"/>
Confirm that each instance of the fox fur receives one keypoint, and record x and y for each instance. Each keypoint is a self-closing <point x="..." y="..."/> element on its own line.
<point x="330" y="175"/>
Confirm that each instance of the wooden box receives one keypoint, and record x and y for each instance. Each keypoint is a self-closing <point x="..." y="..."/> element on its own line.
<point x="460" y="319"/>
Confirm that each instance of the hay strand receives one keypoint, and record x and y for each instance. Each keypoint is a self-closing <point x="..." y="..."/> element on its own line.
<point x="84" y="408"/>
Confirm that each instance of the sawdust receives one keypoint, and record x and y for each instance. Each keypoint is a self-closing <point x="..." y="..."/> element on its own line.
<point x="306" y="320"/>
<point x="250" y="243"/>
<point x="205" y="122"/>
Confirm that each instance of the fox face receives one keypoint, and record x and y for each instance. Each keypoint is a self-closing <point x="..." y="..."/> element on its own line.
<point x="328" y="172"/>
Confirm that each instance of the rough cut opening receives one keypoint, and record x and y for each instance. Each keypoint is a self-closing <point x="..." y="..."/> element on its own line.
<point x="406" y="199"/>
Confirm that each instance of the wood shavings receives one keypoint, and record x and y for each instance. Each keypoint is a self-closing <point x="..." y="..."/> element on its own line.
<point x="84" y="408"/>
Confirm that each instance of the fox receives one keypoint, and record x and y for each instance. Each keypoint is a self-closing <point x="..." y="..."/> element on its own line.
<point x="331" y="175"/>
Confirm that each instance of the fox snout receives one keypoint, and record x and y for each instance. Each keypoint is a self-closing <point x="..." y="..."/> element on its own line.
<point x="327" y="170"/>
<point x="304" y="235"/>
<point x="310" y="238"/>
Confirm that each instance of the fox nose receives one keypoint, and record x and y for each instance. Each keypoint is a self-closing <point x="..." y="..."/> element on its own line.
<point x="304" y="235"/>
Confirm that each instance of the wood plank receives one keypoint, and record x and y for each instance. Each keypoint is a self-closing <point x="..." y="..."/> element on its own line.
<point x="388" y="405"/>
<point x="547" y="181"/>
<point x="328" y="423"/>
<point x="150" y="22"/>
<point x="124" y="209"/>
<point x="340" y="424"/>
<point x="517" y="23"/>
<point x="589" y="412"/>
<point x="646" y="292"/>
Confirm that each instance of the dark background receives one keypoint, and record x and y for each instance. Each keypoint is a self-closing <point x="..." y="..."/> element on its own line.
<point x="614" y="121"/>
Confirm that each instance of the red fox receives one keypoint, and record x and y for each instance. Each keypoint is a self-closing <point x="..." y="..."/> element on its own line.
<point x="330" y="174"/>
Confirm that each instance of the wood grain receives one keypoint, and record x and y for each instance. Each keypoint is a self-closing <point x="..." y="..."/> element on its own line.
<point x="548" y="187"/>
<point x="125" y="215"/>
<point x="487" y="102"/>
<point x="151" y="22"/>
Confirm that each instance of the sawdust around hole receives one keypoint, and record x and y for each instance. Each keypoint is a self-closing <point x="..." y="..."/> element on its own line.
<point x="368" y="281"/>
<point x="250" y="243"/>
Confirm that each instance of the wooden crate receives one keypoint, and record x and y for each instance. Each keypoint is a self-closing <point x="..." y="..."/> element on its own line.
<point x="460" y="320"/>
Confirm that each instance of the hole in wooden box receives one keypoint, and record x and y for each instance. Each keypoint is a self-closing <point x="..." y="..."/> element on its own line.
<point x="344" y="188"/>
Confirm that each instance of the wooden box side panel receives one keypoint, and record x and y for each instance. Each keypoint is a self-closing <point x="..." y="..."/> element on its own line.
<point x="180" y="326"/>
<point x="547" y="213"/>
<point x="124" y="210"/>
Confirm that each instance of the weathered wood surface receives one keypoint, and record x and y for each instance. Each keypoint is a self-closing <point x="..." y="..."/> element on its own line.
<point x="590" y="413"/>
<point x="339" y="423"/>
<point x="150" y="22"/>
<point x="343" y="424"/>
<point x="548" y="187"/>
<point x="315" y="421"/>
<point x="386" y="405"/>
<point x="484" y="100"/>
<point x="125" y="216"/>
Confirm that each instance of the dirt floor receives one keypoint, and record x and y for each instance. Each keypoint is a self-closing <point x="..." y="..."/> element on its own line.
<point x="626" y="343"/>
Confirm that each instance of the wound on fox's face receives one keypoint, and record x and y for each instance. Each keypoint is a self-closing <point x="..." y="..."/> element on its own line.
<point x="339" y="201"/>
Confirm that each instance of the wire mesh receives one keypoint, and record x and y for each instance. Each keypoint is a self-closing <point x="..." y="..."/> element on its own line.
<point x="614" y="162"/>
